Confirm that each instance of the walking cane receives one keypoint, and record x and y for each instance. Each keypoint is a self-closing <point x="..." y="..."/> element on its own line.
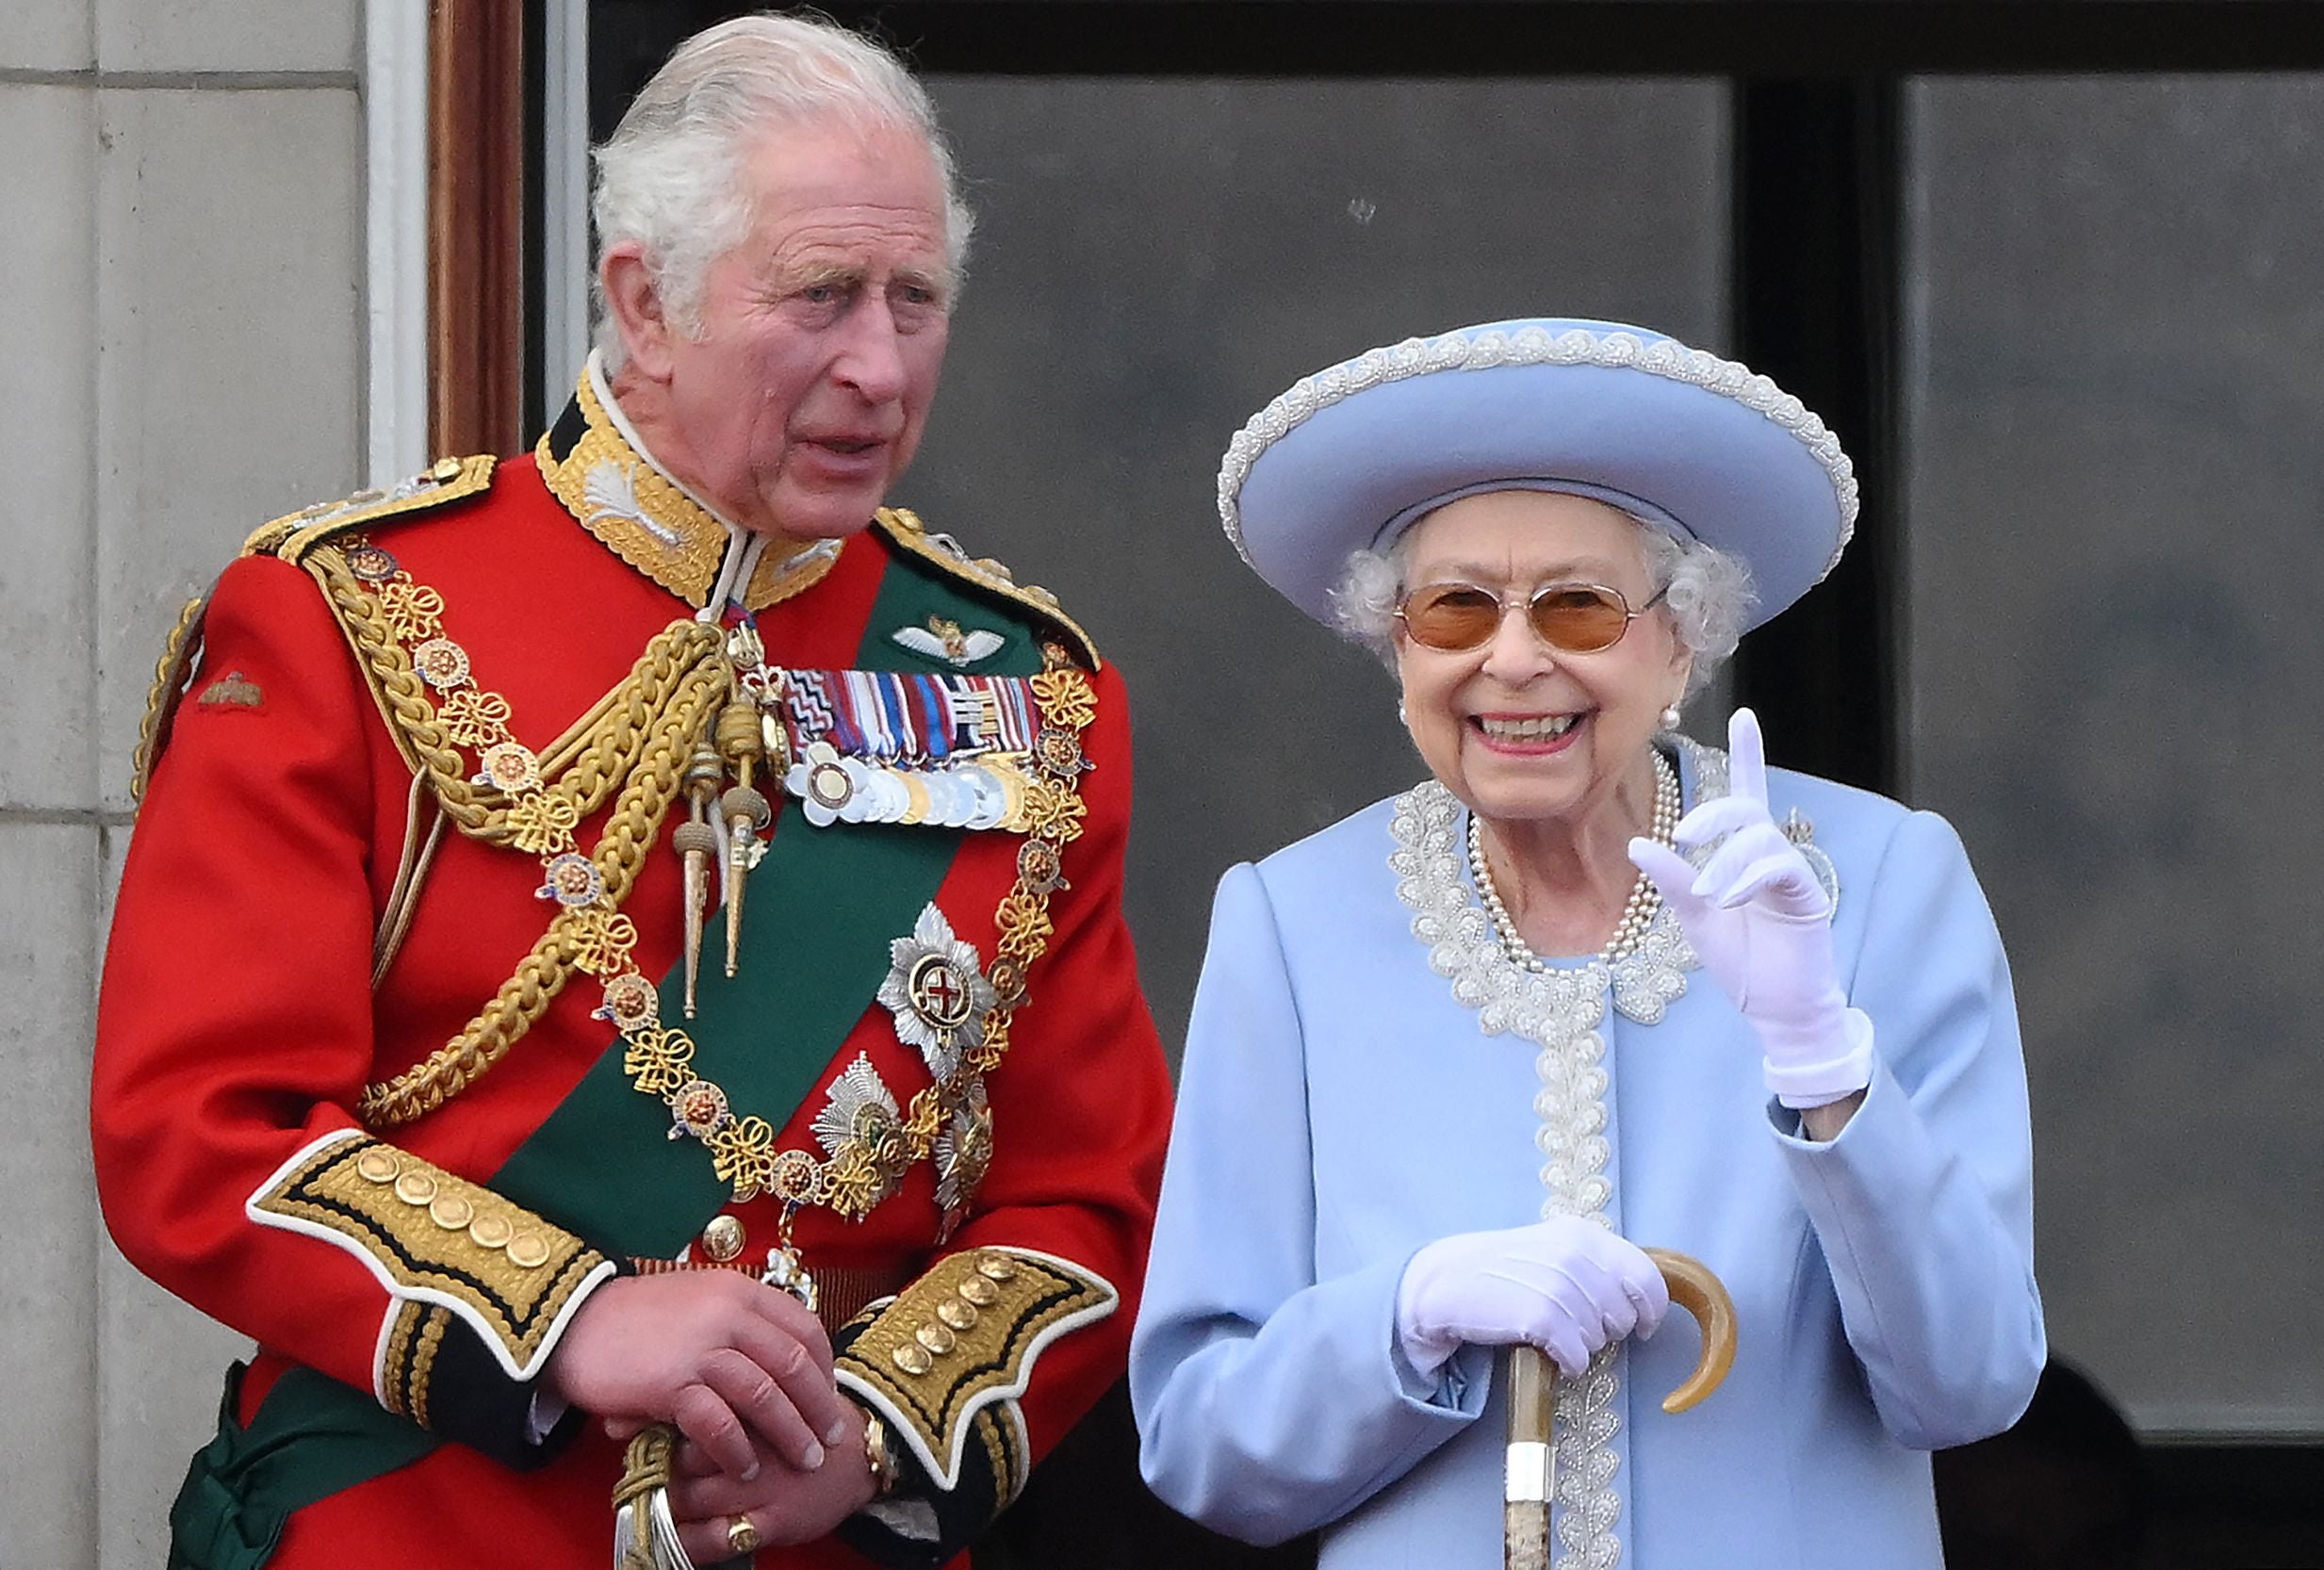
<point x="1530" y="1475"/>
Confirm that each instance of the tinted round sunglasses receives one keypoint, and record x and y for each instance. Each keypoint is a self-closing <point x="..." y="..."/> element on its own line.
<point x="1573" y="619"/>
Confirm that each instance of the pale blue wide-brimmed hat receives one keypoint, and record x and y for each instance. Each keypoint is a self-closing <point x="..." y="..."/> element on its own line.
<point x="1351" y="456"/>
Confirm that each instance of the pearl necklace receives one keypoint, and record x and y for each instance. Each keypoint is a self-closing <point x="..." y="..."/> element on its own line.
<point x="1638" y="914"/>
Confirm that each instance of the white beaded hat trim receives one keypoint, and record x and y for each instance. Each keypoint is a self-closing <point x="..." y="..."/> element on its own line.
<point x="1534" y="346"/>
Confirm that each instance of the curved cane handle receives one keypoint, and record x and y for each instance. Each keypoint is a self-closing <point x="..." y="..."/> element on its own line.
<point x="1694" y="1288"/>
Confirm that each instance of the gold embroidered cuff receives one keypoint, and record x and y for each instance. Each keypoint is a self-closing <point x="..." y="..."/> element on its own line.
<point x="407" y="1360"/>
<point x="1000" y="1437"/>
<point x="438" y="1240"/>
<point x="961" y="1339"/>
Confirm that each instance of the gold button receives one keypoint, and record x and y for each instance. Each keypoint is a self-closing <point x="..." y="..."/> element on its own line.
<point x="722" y="1238"/>
<point x="935" y="1337"/>
<point x="378" y="1166"/>
<point x="415" y="1187"/>
<point x="452" y="1212"/>
<point x="446" y="470"/>
<point x="959" y="1315"/>
<point x="527" y="1249"/>
<point x="979" y="1291"/>
<point x="994" y="1267"/>
<point x="491" y="1232"/>
<point x="912" y="1359"/>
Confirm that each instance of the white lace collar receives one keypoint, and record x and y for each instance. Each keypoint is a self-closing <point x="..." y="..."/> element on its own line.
<point x="1559" y="1008"/>
<point x="1545" y="1005"/>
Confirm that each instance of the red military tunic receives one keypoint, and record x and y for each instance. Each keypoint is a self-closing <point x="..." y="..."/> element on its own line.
<point x="295" y="930"/>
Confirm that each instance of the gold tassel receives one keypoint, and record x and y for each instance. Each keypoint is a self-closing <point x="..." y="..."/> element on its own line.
<point x="742" y="744"/>
<point x="697" y="843"/>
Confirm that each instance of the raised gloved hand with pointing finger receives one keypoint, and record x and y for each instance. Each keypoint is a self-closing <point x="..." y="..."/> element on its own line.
<point x="1762" y="922"/>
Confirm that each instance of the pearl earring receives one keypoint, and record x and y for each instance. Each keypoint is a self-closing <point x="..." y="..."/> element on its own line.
<point x="1671" y="717"/>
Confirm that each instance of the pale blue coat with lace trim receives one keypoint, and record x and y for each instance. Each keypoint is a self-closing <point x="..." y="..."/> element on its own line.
<point x="1338" y="1108"/>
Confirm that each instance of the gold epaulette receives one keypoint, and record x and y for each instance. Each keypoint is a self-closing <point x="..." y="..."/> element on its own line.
<point x="291" y="537"/>
<point x="904" y="529"/>
<point x="448" y="479"/>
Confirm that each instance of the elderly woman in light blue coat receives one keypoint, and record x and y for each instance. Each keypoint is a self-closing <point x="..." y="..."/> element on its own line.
<point x="1457" y="1060"/>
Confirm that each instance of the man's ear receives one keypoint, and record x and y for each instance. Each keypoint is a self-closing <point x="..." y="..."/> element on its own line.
<point x="635" y="306"/>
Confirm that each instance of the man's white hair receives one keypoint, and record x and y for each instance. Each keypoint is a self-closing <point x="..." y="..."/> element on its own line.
<point x="670" y="177"/>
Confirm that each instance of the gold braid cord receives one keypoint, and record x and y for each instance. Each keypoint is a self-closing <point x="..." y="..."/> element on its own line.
<point x="397" y="629"/>
<point x="170" y="676"/>
<point x="636" y="742"/>
<point x="646" y="1465"/>
<point x="578" y="938"/>
<point x="645" y="1537"/>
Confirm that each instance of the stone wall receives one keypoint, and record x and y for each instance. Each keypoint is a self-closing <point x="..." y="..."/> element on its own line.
<point x="181" y="356"/>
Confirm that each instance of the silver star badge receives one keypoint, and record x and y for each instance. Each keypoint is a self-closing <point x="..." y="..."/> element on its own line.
<point x="937" y="992"/>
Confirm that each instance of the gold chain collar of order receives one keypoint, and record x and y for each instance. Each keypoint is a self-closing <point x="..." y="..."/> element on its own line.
<point x="869" y="1164"/>
<point x="514" y="798"/>
<point x="636" y="740"/>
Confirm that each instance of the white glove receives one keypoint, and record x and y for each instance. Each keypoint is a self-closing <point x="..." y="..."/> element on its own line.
<point x="1762" y="924"/>
<point x="1566" y="1286"/>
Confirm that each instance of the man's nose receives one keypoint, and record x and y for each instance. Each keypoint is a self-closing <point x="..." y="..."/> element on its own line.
<point x="872" y="359"/>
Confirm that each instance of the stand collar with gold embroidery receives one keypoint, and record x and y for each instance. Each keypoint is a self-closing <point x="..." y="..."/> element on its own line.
<point x="596" y="466"/>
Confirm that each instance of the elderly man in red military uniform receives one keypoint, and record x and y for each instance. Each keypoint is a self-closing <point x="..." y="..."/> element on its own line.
<point x="620" y="986"/>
